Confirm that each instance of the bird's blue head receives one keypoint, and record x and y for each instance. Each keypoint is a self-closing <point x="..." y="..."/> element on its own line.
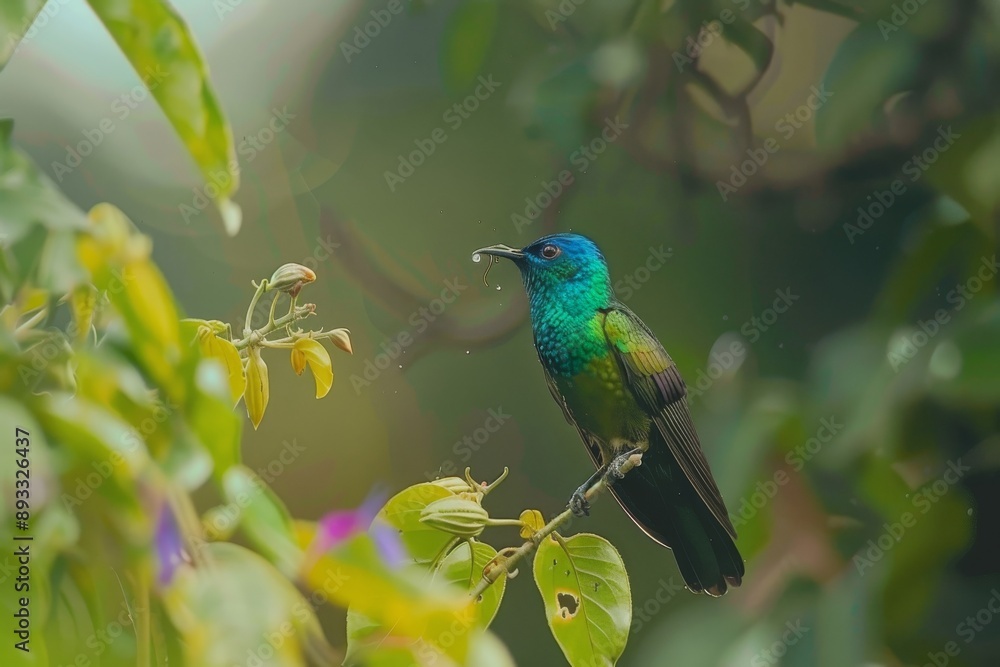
<point x="566" y="268"/>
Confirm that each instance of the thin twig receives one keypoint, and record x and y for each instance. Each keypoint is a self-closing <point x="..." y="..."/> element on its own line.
<point x="300" y="313"/>
<point x="504" y="564"/>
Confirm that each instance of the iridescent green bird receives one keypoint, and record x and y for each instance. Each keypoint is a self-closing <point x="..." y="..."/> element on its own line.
<point x="624" y="394"/>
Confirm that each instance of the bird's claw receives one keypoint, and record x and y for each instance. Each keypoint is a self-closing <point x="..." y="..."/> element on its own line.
<point x="615" y="469"/>
<point x="579" y="504"/>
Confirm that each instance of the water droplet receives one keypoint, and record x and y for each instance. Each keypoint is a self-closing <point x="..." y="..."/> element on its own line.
<point x="725" y="317"/>
<point x="477" y="258"/>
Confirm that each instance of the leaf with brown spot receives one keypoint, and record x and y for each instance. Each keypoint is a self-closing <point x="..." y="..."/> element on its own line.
<point x="588" y="603"/>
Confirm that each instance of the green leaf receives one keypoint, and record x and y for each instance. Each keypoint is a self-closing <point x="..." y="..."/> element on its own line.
<point x="588" y="603"/>
<point x="354" y="575"/>
<point x="402" y="512"/>
<point x="163" y="53"/>
<point x="467" y="41"/>
<point x="108" y="458"/>
<point x="229" y="609"/>
<point x="210" y="415"/>
<point x="264" y="518"/>
<point x="968" y="167"/>
<point x="16" y="17"/>
<point x="28" y="198"/>
<point x="864" y="73"/>
<point x="965" y="367"/>
<point x="459" y="569"/>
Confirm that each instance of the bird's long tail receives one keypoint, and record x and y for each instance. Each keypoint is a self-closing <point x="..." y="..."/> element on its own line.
<point x="660" y="499"/>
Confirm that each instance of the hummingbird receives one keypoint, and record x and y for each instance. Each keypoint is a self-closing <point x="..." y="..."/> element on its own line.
<point x="624" y="394"/>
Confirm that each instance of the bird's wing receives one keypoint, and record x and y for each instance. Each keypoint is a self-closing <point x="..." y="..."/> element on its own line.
<point x="589" y="439"/>
<point x="656" y="383"/>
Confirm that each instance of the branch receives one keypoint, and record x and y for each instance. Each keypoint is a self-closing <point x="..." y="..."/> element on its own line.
<point x="504" y="564"/>
<point x="301" y="312"/>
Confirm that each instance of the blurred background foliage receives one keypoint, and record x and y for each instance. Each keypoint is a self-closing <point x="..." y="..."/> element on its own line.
<point x="858" y="347"/>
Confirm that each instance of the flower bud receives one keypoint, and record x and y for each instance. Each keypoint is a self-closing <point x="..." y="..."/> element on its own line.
<point x="454" y="484"/>
<point x="456" y="515"/>
<point x="290" y="278"/>
<point x="342" y="339"/>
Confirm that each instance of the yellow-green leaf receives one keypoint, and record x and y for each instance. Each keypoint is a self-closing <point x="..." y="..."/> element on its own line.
<point x="532" y="521"/>
<point x="459" y="569"/>
<point x="588" y="604"/>
<point x="354" y="575"/>
<point x="402" y="512"/>
<point x="83" y="302"/>
<point x="120" y="266"/>
<point x="163" y="53"/>
<point x="16" y="17"/>
<point x="226" y="354"/>
<point x="257" y="391"/>
<point x="319" y="363"/>
<point x="264" y="518"/>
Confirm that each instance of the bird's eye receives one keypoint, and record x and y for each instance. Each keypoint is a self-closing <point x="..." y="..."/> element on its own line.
<point x="550" y="252"/>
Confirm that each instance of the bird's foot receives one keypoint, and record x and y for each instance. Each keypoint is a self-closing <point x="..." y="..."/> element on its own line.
<point x="615" y="467"/>
<point x="578" y="502"/>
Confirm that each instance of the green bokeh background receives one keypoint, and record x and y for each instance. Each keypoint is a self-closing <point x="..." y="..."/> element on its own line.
<point x="829" y="356"/>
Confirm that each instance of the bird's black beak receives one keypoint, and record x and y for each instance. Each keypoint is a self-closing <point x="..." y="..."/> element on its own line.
<point x="500" y="250"/>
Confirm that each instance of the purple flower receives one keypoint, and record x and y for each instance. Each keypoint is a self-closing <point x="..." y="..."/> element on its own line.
<point x="339" y="526"/>
<point x="169" y="546"/>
